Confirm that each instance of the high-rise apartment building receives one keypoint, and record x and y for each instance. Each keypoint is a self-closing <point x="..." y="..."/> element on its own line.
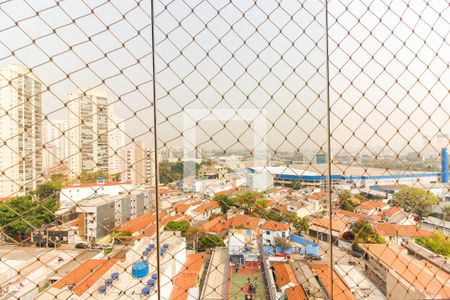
<point x="139" y="164"/>
<point x="117" y="143"/>
<point x="20" y="131"/>
<point x="56" y="150"/>
<point x="90" y="124"/>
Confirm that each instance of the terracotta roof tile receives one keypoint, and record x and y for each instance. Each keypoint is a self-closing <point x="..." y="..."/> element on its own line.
<point x="401" y="230"/>
<point x="424" y="276"/>
<point x="284" y="274"/>
<point x="340" y="289"/>
<point x="207" y="207"/>
<point x="188" y="277"/>
<point x="243" y="221"/>
<point x="369" y="205"/>
<point x="275" y="226"/>
<point x="89" y="281"/>
<point x="296" y="293"/>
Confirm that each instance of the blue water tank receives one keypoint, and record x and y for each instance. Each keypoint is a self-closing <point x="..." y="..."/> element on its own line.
<point x="154" y="276"/>
<point x="444" y="165"/>
<point x="102" y="289"/>
<point x="151" y="282"/>
<point x="145" y="291"/>
<point x="139" y="269"/>
<point x="108" y="281"/>
<point x="115" y="275"/>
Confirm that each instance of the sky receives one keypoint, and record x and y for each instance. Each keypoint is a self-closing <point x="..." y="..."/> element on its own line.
<point x="239" y="74"/>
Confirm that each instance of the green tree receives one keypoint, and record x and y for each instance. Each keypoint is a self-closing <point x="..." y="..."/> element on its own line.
<point x="23" y="214"/>
<point x="225" y="202"/>
<point x="415" y="200"/>
<point x="345" y="200"/>
<point x="182" y="226"/>
<point x="90" y="177"/>
<point x="302" y="224"/>
<point x="211" y="241"/>
<point x="123" y="233"/>
<point x="365" y="234"/>
<point x="62" y="179"/>
<point x="446" y="213"/>
<point x="247" y="200"/>
<point x="273" y="215"/>
<point x="296" y="185"/>
<point x="48" y="189"/>
<point x="438" y="243"/>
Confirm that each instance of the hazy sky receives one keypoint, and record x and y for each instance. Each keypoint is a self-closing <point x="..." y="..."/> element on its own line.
<point x="259" y="68"/>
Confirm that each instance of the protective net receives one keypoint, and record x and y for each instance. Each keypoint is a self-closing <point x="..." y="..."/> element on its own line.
<point x="224" y="149"/>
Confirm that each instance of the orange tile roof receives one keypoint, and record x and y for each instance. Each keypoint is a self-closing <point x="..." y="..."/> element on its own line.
<point x="275" y="226"/>
<point x="369" y="205"/>
<point x="284" y="274"/>
<point x="427" y="278"/>
<point x="84" y="285"/>
<point x="207" y="207"/>
<point x="79" y="273"/>
<point x="181" y="208"/>
<point x="401" y="230"/>
<point x="339" y="222"/>
<point x="215" y="225"/>
<point x="391" y="211"/>
<point x="92" y="184"/>
<point x="340" y="289"/>
<point x="317" y="196"/>
<point x="6" y="199"/>
<point x="282" y="208"/>
<point x="187" y="278"/>
<point x="296" y="293"/>
<point x="350" y="214"/>
<point x="139" y="223"/>
<point x="226" y="192"/>
<point x="73" y="222"/>
<point x="86" y="275"/>
<point x="243" y="221"/>
<point x="270" y="203"/>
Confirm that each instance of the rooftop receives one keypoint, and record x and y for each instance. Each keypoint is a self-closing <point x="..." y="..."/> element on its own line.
<point x="401" y="230"/>
<point x="340" y="290"/>
<point x="275" y="226"/>
<point x="284" y="274"/>
<point x="369" y="205"/>
<point x="243" y="221"/>
<point x="424" y="276"/>
<point x="187" y="277"/>
<point x="296" y="293"/>
<point x="95" y="184"/>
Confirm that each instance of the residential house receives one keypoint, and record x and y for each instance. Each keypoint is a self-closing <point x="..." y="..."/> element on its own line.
<point x="203" y="212"/>
<point x="433" y="223"/>
<point x="396" y="215"/>
<point x="371" y="207"/>
<point x="402" y="276"/>
<point x="336" y="289"/>
<point x="397" y="234"/>
<point x="272" y="230"/>
<point x="284" y="277"/>
<point x="320" y="228"/>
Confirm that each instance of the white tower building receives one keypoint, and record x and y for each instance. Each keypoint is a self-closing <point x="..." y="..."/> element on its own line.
<point x="20" y="131"/>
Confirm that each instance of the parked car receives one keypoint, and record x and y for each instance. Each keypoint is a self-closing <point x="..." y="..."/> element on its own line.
<point x="81" y="246"/>
<point x="106" y="246"/>
<point x="356" y="254"/>
<point x="312" y="257"/>
<point x="49" y="243"/>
